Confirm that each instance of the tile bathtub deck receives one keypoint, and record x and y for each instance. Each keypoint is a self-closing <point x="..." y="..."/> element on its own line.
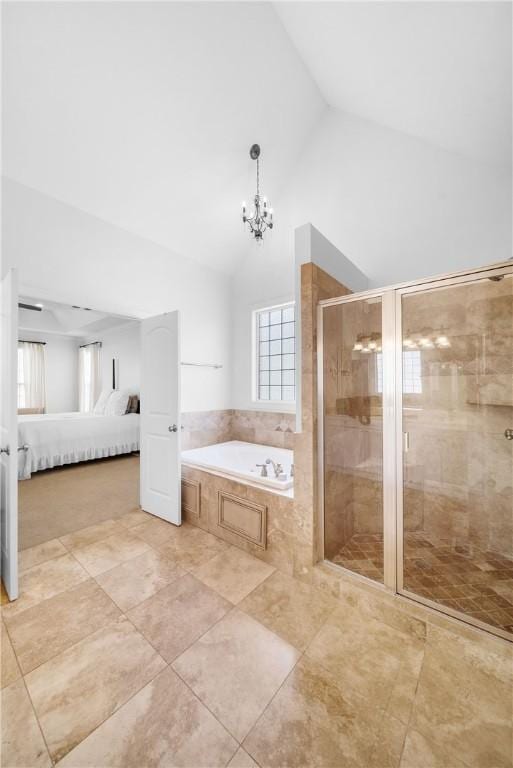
<point x="165" y="647"/>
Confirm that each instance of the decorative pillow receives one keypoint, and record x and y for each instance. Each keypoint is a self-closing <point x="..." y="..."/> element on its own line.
<point x="133" y="404"/>
<point x="99" y="408"/>
<point x="117" y="404"/>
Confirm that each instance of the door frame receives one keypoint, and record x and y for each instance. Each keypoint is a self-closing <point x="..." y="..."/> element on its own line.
<point x="392" y="405"/>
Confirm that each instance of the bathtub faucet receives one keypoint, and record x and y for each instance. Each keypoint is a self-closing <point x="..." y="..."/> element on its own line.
<point x="278" y="469"/>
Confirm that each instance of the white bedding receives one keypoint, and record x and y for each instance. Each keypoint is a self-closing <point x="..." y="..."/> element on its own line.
<point x="54" y="439"/>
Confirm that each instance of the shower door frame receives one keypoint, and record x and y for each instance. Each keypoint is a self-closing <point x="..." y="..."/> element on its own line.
<point x="393" y="445"/>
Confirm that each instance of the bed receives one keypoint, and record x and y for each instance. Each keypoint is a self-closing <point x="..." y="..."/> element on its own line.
<point x="55" y="439"/>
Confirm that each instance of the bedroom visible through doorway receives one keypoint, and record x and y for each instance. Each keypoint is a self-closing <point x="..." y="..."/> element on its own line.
<point x="78" y="419"/>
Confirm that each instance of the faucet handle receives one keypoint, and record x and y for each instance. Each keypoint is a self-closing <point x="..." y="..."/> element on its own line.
<point x="263" y="473"/>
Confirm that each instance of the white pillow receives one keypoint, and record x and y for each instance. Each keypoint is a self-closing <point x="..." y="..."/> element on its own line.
<point x="99" y="408"/>
<point x="117" y="404"/>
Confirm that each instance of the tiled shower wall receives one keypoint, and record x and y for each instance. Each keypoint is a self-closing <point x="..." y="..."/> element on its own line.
<point x="202" y="428"/>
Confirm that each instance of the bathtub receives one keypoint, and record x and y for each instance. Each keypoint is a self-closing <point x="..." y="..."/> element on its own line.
<point x="238" y="459"/>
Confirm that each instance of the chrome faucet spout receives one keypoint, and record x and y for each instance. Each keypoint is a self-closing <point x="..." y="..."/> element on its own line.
<point x="277" y="467"/>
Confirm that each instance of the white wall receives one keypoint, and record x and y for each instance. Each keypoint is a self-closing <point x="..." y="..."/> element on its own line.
<point x="124" y="344"/>
<point x="66" y="255"/>
<point x="61" y="360"/>
<point x="398" y="207"/>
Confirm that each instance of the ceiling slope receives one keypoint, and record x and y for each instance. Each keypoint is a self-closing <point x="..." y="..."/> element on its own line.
<point x="440" y="71"/>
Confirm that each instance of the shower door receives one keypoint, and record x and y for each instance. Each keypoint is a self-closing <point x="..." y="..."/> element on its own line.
<point x="352" y="393"/>
<point x="455" y="398"/>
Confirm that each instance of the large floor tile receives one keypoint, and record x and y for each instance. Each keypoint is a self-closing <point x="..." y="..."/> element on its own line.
<point x="47" y="629"/>
<point x="9" y="669"/>
<point x="154" y="531"/>
<point x="91" y="534"/>
<point x="136" y="517"/>
<point x="191" y="547"/>
<point x="138" y="579"/>
<point x="40" y="554"/>
<point x="178" y="615"/>
<point x="76" y="691"/>
<point x="366" y="657"/>
<point x="241" y="759"/>
<point x="163" y="725"/>
<point x="389" y="743"/>
<point x="293" y="610"/>
<point x="464" y="699"/>
<point x="234" y="574"/>
<point x="236" y="668"/>
<point x="310" y="723"/>
<point x="44" y="581"/>
<point x="22" y="744"/>
<point x="114" y="550"/>
<point x="418" y="752"/>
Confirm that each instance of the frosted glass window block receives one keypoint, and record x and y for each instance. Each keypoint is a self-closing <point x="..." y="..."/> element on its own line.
<point x="287" y="378"/>
<point x="288" y="394"/>
<point x="275" y="351"/>
<point x="264" y="377"/>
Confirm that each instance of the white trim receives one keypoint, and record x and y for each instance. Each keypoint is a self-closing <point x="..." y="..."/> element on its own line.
<point x="288" y="406"/>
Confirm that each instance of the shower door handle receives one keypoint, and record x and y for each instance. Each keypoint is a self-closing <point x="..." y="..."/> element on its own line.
<point x="406" y="442"/>
<point x="508" y="434"/>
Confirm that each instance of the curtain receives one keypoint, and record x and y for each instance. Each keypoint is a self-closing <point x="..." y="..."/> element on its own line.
<point x="31" y="377"/>
<point x="89" y="382"/>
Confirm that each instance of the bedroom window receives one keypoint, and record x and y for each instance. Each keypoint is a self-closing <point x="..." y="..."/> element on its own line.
<point x="31" y="377"/>
<point x="89" y="376"/>
<point x="275" y="354"/>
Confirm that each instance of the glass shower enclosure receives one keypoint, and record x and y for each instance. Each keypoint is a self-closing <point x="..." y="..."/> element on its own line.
<point x="416" y="441"/>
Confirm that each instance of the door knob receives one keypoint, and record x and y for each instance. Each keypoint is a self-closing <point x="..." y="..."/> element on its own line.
<point x="174" y="428"/>
<point x="508" y="434"/>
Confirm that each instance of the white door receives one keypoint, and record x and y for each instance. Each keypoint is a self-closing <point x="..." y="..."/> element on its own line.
<point x="160" y="417"/>
<point x="9" y="432"/>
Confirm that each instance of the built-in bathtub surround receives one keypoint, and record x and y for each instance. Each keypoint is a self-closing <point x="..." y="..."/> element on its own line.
<point x="257" y="520"/>
<point x="202" y="428"/>
<point x="264" y="428"/>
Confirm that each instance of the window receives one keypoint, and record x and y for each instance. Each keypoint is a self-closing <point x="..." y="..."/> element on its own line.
<point x="21" y="379"/>
<point x="31" y="377"/>
<point x="275" y="354"/>
<point x="412" y="376"/>
<point x="89" y="376"/>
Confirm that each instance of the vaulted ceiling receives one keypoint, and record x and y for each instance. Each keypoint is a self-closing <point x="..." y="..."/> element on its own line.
<point x="142" y="114"/>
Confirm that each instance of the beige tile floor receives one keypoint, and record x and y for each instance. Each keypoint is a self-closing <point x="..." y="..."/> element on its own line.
<point x="139" y="644"/>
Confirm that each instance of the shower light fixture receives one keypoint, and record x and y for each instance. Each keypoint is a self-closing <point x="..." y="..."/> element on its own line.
<point x="261" y="217"/>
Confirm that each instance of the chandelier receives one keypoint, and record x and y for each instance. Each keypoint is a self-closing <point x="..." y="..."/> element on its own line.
<point x="261" y="217"/>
